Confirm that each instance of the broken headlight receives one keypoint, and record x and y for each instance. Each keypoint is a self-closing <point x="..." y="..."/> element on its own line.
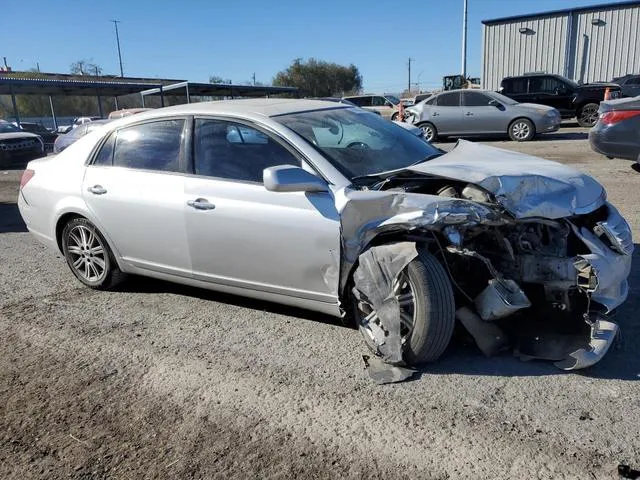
<point x="617" y="231"/>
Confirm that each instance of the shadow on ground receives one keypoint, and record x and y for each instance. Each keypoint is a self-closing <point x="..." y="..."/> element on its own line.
<point x="621" y="362"/>
<point x="10" y="219"/>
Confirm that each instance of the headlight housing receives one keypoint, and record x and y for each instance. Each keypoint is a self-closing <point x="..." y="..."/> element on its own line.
<point x="616" y="229"/>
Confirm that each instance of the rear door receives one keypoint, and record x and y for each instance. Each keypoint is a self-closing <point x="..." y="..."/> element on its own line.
<point x="479" y="116"/>
<point x="446" y="113"/>
<point x="242" y="235"/>
<point x="516" y="88"/>
<point x="135" y="190"/>
<point x="551" y="91"/>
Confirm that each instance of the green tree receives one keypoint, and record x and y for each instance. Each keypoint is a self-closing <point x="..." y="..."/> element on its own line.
<point x="317" y="78"/>
<point x="218" y="79"/>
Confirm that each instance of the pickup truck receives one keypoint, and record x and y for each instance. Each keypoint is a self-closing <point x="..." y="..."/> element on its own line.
<point x="569" y="98"/>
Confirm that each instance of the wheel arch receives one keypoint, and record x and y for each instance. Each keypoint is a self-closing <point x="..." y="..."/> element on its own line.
<point x="522" y="117"/>
<point x="382" y="238"/>
<point x="68" y="215"/>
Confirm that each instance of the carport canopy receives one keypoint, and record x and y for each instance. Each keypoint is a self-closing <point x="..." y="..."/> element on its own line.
<point x="215" y="90"/>
<point x="45" y="86"/>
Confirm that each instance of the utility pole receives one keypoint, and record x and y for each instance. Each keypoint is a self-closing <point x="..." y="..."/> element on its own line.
<point x="464" y="40"/>
<point x="115" y="23"/>
<point x="254" y="79"/>
<point x="409" y="82"/>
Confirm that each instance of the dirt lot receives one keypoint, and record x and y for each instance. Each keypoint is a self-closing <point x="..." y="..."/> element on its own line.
<point x="163" y="381"/>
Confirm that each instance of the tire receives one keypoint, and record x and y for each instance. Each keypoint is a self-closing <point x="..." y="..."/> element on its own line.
<point x="522" y="130"/>
<point x="88" y="255"/>
<point x="394" y="117"/>
<point x="588" y="115"/>
<point x="429" y="130"/>
<point x="433" y="311"/>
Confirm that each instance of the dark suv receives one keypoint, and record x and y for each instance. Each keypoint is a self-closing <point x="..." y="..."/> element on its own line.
<point x="571" y="99"/>
<point x="630" y="85"/>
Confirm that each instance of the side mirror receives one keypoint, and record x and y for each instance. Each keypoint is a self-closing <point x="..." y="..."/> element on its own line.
<point x="495" y="103"/>
<point x="289" y="178"/>
<point x="388" y="104"/>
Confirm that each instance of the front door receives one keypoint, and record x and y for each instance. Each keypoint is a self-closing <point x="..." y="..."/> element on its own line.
<point x="241" y="234"/>
<point x="480" y="117"/>
<point x="134" y="189"/>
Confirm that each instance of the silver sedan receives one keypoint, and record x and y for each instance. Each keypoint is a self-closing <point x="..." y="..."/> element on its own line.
<point x="462" y="113"/>
<point x="331" y="208"/>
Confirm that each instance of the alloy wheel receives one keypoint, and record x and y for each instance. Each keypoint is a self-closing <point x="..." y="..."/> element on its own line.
<point x="404" y="293"/>
<point x="589" y="115"/>
<point x="428" y="132"/>
<point x="520" y="130"/>
<point x="87" y="253"/>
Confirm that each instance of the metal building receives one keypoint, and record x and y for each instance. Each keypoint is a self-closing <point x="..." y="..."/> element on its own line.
<point x="590" y="44"/>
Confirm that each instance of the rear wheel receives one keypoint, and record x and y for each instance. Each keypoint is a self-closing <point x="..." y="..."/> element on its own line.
<point x="588" y="115"/>
<point x="429" y="131"/>
<point x="427" y="311"/>
<point x="88" y="255"/>
<point x="522" y="130"/>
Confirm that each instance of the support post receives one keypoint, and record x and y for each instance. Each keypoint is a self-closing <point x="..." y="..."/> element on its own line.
<point x="464" y="41"/>
<point x="53" y="113"/>
<point x="100" y="105"/>
<point x="188" y="98"/>
<point x="161" y="96"/>
<point x="142" y="98"/>
<point x="15" y="107"/>
<point x="115" y="101"/>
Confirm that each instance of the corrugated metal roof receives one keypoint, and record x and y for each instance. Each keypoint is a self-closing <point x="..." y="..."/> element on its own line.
<point x="47" y="86"/>
<point x="218" y="89"/>
<point x="566" y="11"/>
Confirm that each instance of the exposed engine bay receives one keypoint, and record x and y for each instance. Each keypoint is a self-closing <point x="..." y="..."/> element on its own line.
<point x="529" y="283"/>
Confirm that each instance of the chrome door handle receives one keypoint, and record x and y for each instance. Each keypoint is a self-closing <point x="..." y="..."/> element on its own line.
<point x="201" y="204"/>
<point x="97" y="190"/>
<point x="469" y="114"/>
<point x="435" y="114"/>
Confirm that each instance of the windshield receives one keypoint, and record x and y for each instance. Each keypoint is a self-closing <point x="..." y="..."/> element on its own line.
<point x="392" y="99"/>
<point x="502" y="99"/>
<point x="8" y="128"/>
<point x="358" y="142"/>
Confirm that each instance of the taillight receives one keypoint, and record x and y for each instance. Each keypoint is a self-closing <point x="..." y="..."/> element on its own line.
<point x="611" y="118"/>
<point x="26" y="176"/>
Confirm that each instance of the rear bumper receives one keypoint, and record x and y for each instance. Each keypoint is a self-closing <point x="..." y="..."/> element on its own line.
<point x="614" y="142"/>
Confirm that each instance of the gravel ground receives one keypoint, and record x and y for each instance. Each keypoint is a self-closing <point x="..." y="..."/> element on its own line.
<point x="163" y="381"/>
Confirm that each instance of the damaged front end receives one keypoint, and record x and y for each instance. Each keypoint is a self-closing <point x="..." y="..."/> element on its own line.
<point x="544" y="286"/>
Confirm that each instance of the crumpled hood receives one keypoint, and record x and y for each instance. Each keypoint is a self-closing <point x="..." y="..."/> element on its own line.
<point x="524" y="185"/>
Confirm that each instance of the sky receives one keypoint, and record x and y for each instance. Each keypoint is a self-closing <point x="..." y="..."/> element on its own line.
<point x="192" y="40"/>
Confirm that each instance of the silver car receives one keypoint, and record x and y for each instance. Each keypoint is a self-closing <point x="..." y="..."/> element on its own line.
<point x="462" y="113"/>
<point x="327" y="207"/>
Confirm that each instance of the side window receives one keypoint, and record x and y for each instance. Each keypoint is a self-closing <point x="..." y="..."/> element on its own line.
<point x="475" y="99"/>
<point x="517" y="86"/>
<point x="150" y="146"/>
<point x="105" y="155"/>
<point x="235" y="151"/>
<point x="633" y="81"/>
<point x="378" y="102"/>
<point x="547" y="85"/>
<point x="431" y="101"/>
<point x="357" y="100"/>
<point x="449" y="99"/>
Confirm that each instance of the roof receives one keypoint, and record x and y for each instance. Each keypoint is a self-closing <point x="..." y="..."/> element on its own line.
<point x="566" y="11"/>
<point x="266" y="107"/>
<point x="47" y="86"/>
<point x="218" y="90"/>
